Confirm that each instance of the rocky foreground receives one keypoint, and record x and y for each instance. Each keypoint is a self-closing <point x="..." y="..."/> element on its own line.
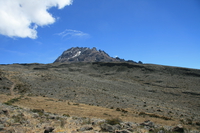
<point x="14" y="119"/>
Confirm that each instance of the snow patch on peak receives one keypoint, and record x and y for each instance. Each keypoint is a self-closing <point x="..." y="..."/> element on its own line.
<point x="77" y="54"/>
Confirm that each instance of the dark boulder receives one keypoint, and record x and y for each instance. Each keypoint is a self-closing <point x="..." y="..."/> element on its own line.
<point x="109" y="128"/>
<point x="178" y="129"/>
<point x="48" y="129"/>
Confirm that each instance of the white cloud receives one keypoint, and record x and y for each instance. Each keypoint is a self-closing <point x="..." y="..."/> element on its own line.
<point x="73" y="33"/>
<point x="20" y="18"/>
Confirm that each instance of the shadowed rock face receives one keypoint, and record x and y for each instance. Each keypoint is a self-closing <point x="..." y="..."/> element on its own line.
<point x="80" y="54"/>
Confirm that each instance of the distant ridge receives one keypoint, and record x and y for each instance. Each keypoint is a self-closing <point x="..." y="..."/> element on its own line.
<point x="84" y="54"/>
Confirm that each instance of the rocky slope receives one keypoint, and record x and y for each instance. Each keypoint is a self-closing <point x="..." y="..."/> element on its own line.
<point x="80" y="54"/>
<point x="144" y="90"/>
<point x="14" y="119"/>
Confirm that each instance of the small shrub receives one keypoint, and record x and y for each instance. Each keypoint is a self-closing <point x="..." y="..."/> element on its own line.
<point x="10" y="102"/>
<point x="142" y="113"/>
<point x="40" y="112"/>
<point x="74" y="118"/>
<point x="189" y="121"/>
<point x="118" y="109"/>
<point x="21" y="88"/>
<point x="67" y="115"/>
<point x="62" y="123"/>
<point x="154" y="115"/>
<point x="113" y="121"/>
<point x="6" y="88"/>
<point x="86" y="121"/>
<point x="18" y="118"/>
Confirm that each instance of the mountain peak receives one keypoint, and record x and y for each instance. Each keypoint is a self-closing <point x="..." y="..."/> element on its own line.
<point x="84" y="54"/>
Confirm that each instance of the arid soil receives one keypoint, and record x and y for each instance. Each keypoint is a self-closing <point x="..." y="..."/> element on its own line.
<point x="169" y="95"/>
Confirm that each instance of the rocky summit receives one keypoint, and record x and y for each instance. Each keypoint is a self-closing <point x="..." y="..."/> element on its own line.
<point x="84" y="54"/>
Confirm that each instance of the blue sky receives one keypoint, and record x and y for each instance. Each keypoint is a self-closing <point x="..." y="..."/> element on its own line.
<point x="165" y="32"/>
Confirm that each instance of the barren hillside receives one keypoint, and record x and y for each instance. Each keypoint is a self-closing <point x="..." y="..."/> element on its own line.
<point x="169" y="93"/>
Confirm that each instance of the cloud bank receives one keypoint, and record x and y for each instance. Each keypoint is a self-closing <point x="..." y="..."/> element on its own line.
<point x="20" y="18"/>
<point x="73" y="33"/>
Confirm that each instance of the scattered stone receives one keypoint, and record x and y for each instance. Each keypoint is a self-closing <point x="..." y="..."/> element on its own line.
<point x="198" y="123"/>
<point x="161" y="131"/>
<point x="52" y="117"/>
<point x="159" y="110"/>
<point x="194" y="131"/>
<point x="187" y="121"/>
<point x="129" y="126"/>
<point x="168" y="128"/>
<point x="147" y="123"/>
<point x="178" y="128"/>
<point x="5" y="111"/>
<point x="10" y="130"/>
<point x="35" y="115"/>
<point x="1" y="127"/>
<point x="151" y="129"/>
<point x="93" y="123"/>
<point x="48" y="129"/>
<point x="106" y="127"/>
<point x="109" y="128"/>
<point x="117" y="127"/>
<point x="130" y="129"/>
<point x="85" y="128"/>
<point x="122" y="131"/>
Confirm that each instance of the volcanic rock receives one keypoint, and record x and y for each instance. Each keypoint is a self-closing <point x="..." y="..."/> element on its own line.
<point x="83" y="54"/>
